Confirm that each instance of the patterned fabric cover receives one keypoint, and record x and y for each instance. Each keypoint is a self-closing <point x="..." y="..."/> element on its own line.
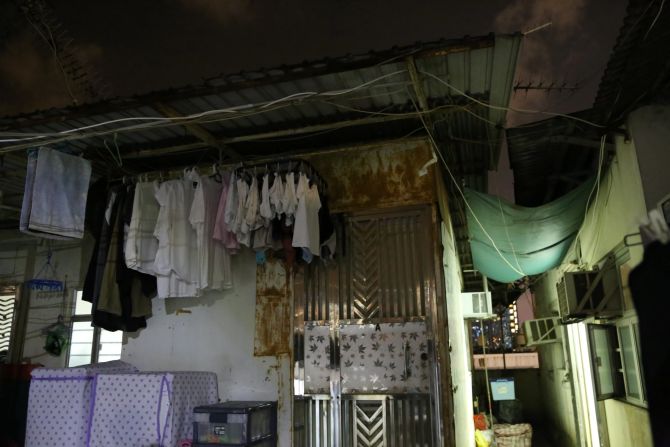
<point x="59" y="403"/>
<point x="149" y="409"/>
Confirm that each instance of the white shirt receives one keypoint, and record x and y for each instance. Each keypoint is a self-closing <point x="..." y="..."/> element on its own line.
<point x="243" y="237"/>
<point x="266" y="208"/>
<point x="215" y="273"/>
<point x="289" y="200"/>
<point x="306" y="227"/>
<point x="276" y="193"/>
<point x="141" y="245"/>
<point x="176" y="263"/>
<point x="230" y="211"/>
<point x="222" y="230"/>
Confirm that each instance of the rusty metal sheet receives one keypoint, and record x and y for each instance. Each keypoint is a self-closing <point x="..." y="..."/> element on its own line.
<point x="273" y="309"/>
<point x="377" y="176"/>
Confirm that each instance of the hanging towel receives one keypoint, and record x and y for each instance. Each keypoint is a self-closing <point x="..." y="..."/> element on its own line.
<point x="306" y="229"/>
<point x="56" y="193"/>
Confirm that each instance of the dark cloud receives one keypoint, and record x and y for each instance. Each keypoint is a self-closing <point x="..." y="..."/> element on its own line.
<point x="29" y="77"/>
<point x="572" y="51"/>
<point x="224" y="11"/>
<point x="140" y="46"/>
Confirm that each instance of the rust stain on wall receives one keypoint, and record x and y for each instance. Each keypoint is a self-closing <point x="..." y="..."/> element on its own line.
<point x="379" y="176"/>
<point x="273" y="310"/>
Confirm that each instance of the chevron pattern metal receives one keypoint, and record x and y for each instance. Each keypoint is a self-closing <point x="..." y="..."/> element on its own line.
<point x="370" y="427"/>
<point x="6" y="318"/>
<point x="365" y="281"/>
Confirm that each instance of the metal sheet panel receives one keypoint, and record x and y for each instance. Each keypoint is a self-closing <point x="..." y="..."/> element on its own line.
<point x="387" y="421"/>
<point x="386" y="262"/>
<point x="376" y="176"/>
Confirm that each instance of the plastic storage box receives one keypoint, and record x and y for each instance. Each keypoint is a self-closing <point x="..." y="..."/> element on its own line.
<point x="235" y="423"/>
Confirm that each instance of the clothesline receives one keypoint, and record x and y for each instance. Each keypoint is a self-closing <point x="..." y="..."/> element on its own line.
<point x="260" y="168"/>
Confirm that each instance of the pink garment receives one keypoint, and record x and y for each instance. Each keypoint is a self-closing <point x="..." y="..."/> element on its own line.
<point x="221" y="231"/>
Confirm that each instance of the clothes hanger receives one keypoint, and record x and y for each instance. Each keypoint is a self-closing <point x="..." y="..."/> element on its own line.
<point x="216" y="175"/>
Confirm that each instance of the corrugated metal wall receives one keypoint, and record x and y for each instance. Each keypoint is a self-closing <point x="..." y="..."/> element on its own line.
<point x="383" y="273"/>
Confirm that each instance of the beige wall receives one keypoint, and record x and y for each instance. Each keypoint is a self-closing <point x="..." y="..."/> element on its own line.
<point x="628" y="425"/>
<point x="617" y="211"/>
<point x="554" y="375"/>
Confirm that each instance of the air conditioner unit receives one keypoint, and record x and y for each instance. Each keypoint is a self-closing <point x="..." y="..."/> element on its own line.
<point x="542" y="331"/>
<point x="594" y="293"/>
<point x="476" y="304"/>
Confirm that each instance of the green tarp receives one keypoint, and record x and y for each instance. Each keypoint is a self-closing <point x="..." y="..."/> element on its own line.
<point x="529" y="241"/>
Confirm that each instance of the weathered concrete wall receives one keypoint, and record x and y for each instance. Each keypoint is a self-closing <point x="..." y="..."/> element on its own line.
<point x="650" y="129"/>
<point x="224" y="330"/>
<point x="218" y="335"/>
<point x="461" y="375"/>
<point x="616" y="212"/>
<point x="627" y="424"/>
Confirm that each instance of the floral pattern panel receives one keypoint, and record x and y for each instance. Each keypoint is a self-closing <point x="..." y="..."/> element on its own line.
<point x="317" y="359"/>
<point x="384" y="358"/>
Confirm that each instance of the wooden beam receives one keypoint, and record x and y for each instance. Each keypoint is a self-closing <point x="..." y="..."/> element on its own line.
<point x="265" y="135"/>
<point x="198" y="131"/>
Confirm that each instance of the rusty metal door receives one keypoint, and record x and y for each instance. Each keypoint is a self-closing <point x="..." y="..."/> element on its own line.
<point x="365" y="365"/>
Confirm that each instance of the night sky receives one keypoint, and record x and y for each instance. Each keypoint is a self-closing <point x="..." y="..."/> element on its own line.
<point x="140" y="46"/>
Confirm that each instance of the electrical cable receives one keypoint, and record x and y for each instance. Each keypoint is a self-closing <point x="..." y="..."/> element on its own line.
<point x="596" y="186"/>
<point x="509" y="109"/>
<point x="502" y="214"/>
<point x="153" y="122"/>
<point x="436" y="148"/>
<point x="658" y="14"/>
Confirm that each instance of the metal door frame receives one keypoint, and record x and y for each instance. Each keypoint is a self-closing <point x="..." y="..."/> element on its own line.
<point x="327" y="312"/>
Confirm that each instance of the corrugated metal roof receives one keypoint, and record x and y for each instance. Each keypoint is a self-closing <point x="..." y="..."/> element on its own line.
<point x="550" y="156"/>
<point x="481" y="66"/>
<point x="469" y="134"/>
<point x="639" y="68"/>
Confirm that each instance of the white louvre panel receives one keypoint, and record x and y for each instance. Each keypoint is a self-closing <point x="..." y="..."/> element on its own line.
<point x="476" y="304"/>
<point x="542" y="331"/>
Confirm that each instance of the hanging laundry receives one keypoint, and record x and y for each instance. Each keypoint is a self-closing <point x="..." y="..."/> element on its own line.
<point x="98" y="226"/>
<point x="327" y="233"/>
<point x="265" y="207"/>
<point x="306" y="230"/>
<point x="243" y="237"/>
<point x="222" y="231"/>
<point x="230" y="211"/>
<point x="215" y="273"/>
<point x="252" y="206"/>
<point x="289" y="200"/>
<point x="176" y="263"/>
<point x="276" y="194"/>
<point x="141" y="245"/>
<point x="55" y="193"/>
<point x="120" y="296"/>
